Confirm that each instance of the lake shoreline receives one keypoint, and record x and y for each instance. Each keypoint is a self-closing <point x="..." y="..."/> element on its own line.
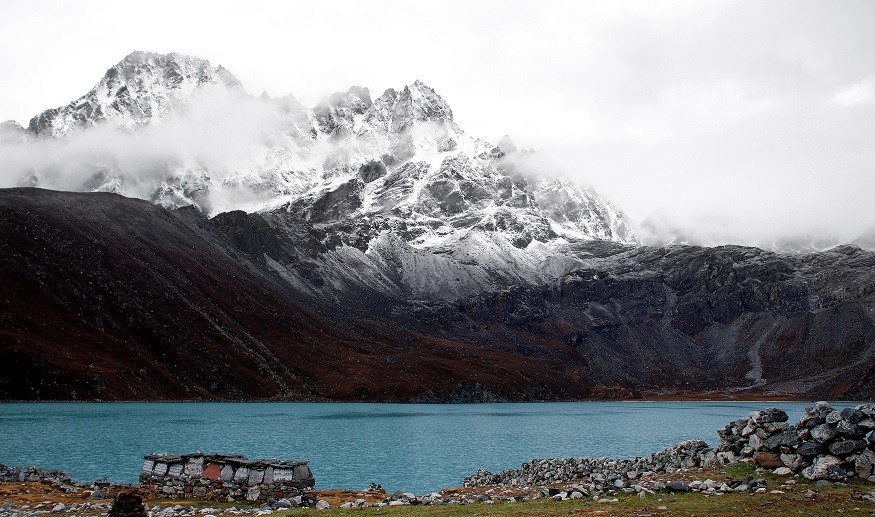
<point x="665" y="398"/>
<point x="411" y="447"/>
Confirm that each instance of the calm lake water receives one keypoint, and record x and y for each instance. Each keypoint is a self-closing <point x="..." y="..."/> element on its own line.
<point x="414" y="447"/>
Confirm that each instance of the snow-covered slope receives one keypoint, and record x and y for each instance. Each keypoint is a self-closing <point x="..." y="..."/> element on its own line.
<point x="396" y="164"/>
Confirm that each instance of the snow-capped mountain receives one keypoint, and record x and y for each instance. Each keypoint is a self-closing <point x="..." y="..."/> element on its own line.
<point x="140" y="89"/>
<point x="399" y="160"/>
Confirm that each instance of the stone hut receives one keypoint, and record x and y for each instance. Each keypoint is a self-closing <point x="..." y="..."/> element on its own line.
<point x="231" y="478"/>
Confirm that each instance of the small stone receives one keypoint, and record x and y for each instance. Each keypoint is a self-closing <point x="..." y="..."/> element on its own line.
<point x="783" y="471"/>
<point x="322" y="504"/>
<point x="60" y="507"/>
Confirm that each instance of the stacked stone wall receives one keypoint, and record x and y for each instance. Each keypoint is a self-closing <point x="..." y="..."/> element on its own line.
<point x="221" y="477"/>
<point x="824" y="444"/>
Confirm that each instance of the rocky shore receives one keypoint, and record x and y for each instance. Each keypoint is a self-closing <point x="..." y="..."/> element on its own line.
<point x="824" y="445"/>
<point x="762" y="453"/>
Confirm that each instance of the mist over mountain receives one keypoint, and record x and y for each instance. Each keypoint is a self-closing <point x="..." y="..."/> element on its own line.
<point x="175" y="130"/>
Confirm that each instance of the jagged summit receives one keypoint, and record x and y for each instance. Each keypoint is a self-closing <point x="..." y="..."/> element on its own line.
<point x="398" y="163"/>
<point x="506" y="145"/>
<point x="142" y="87"/>
<point x="11" y="132"/>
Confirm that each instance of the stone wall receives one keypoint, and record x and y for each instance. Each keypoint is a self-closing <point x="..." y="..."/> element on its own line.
<point x="823" y="444"/>
<point x="602" y="472"/>
<point x="33" y="474"/>
<point x="231" y="478"/>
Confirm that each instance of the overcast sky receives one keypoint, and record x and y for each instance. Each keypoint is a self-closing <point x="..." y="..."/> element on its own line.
<point x="744" y="119"/>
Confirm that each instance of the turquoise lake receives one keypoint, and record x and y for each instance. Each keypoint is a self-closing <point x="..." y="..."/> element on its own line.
<point x="411" y="447"/>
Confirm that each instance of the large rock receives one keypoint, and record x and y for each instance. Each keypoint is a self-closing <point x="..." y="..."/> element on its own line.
<point x="227" y="474"/>
<point x="786" y="438"/>
<point x="815" y="415"/>
<point x="852" y="415"/>
<point x="823" y="433"/>
<point x="825" y="467"/>
<point x="241" y="475"/>
<point x="756" y="443"/>
<point x="768" y="460"/>
<point x="864" y="465"/>
<point x="810" y="449"/>
<point x="127" y="504"/>
<point x="678" y="486"/>
<point x="793" y="461"/>
<point x="849" y="429"/>
<point x="845" y="447"/>
<point x="768" y="415"/>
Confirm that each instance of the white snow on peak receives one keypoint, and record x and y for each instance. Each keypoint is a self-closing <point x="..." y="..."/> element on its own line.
<point x="400" y="158"/>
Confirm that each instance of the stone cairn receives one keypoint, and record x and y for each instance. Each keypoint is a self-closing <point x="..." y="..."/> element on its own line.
<point x="824" y="444"/>
<point x="232" y="478"/>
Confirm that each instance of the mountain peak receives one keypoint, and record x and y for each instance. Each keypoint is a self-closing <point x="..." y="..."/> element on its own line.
<point x="362" y="93"/>
<point x="400" y="157"/>
<point x="140" y="88"/>
<point x="506" y="145"/>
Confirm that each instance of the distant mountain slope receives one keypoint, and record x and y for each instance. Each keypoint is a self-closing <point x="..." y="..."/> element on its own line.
<point x="115" y="298"/>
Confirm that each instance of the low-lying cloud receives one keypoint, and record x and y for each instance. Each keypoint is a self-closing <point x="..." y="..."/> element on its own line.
<point x="218" y="134"/>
